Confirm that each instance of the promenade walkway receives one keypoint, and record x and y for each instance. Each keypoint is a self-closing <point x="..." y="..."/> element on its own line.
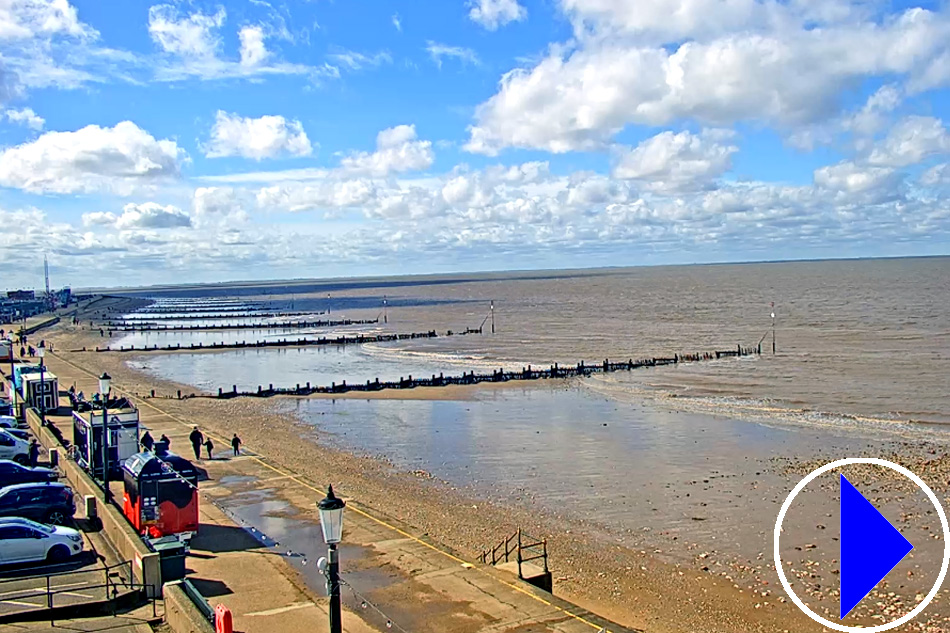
<point x="259" y="540"/>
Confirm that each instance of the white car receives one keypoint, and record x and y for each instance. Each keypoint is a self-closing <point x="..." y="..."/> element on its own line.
<point x="12" y="447"/>
<point x="8" y="422"/>
<point x="25" y="541"/>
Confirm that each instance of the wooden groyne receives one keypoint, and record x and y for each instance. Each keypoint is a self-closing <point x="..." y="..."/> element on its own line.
<point x="195" y="316"/>
<point x="130" y="326"/>
<point x="471" y="378"/>
<point x="192" y="307"/>
<point x="359" y="339"/>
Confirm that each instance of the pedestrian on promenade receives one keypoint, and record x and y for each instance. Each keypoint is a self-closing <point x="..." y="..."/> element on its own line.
<point x="168" y="442"/>
<point x="22" y="352"/>
<point x="236" y="445"/>
<point x="34" y="453"/>
<point x="209" y="446"/>
<point x="147" y="441"/>
<point x="197" y="439"/>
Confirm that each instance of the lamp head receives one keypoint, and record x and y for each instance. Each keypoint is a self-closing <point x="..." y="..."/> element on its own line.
<point x="105" y="384"/>
<point x="331" y="517"/>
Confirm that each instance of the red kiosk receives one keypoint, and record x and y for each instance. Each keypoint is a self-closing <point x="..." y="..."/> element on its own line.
<point x="161" y="494"/>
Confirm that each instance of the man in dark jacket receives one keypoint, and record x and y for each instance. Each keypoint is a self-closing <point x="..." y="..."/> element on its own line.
<point x="236" y="445"/>
<point x="197" y="439"/>
<point x="34" y="453"/>
<point x="147" y="441"/>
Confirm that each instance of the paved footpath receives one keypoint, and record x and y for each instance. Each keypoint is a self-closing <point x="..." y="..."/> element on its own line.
<point x="259" y="537"/>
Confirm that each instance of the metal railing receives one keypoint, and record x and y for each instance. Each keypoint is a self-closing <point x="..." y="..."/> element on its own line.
<point x="526" y="547"/>
<point x="76" y="587"/>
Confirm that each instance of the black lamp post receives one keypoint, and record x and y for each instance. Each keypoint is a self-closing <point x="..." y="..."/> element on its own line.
<point x="105" y="385"/>
<point x="331" y="520"/>
<point x="41" y="390"/>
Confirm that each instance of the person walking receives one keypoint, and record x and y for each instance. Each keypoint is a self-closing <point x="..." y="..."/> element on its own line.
<point x="147" y="441"/>
<point x="34" y="452"/>
<point x="164" y="438"/>
<point x="209" y="446"/>
<point x="236" y="445"/>
<point x="197" y="439"/>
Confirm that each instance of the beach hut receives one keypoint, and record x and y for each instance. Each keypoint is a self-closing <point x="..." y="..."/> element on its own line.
<point x="161" y="494"/>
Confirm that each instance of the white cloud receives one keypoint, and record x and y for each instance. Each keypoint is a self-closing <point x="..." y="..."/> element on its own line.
<point x="194" y="36"/>
<point x="25" y="116"/>
<point x="329" y="195"/>
<point x="912" y="140"/>
<point x="682" y="161"/>
<point x="578" y="97"/>
<point x="192" y="46"/>
<point x="98" y="218"/>
<point x="357" y="61"/>
<point x="150" y="215"/>
<point x="397" y="22"/>
<point x="847" y="176"/>
<point x="936" y="175"/>
<point x="253" y="50"/>
<point x="147" y="215"/>
<point x="438" y="51"/>
<point x="494" y="13"/>
<point x="264" y="137"/>
<point x="25" y="19"/>
<point x="397" y="150"/>
<point x="93" y="158"/>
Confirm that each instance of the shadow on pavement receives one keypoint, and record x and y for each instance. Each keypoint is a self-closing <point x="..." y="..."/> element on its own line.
<point x="223" y="538"/>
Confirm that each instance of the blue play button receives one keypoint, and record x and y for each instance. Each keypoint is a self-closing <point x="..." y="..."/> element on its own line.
<point x="870" y="547"/>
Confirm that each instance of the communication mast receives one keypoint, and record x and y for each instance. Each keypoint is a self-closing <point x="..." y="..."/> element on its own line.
<point x="49" y="295"/>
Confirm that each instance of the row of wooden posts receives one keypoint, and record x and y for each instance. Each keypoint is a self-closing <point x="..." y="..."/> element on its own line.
<point x="471" y="378"/>
<point x="131" y="326"/>
<point x="359" y="339"/>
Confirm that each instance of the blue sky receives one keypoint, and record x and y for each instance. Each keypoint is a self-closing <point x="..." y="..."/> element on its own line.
<point x="207" y="141"/>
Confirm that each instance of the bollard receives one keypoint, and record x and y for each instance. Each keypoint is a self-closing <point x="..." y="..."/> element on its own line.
<point x="222" y="619"/>
<point x="90" y="507"/>
<point x="220" y="392"/>
<point x="234" y="389"/>
<point x="179" y="394"/>
<point x="153" y="393"/>
<point x="53" y="457"/>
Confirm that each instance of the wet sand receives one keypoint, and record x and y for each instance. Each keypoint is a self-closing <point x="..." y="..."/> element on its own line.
<point x="631" y="576"/>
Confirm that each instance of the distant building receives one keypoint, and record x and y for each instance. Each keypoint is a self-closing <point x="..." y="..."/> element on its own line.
<point x="21" y="295"/>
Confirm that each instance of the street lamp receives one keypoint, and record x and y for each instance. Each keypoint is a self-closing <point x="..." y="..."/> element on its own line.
<point x="41" y="352"/>
<point x="331" y="520"/>
<point x="105" y="385"/>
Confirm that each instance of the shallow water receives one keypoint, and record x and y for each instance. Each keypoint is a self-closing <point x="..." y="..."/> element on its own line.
<point x="867" y="338"/>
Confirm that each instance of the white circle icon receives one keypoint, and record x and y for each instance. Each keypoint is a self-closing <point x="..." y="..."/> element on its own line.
<point x="920" y="484"/>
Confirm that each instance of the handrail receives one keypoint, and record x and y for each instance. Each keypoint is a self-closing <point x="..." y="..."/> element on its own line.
<point x="110" y="584"/>
<point x="516" y="544"/>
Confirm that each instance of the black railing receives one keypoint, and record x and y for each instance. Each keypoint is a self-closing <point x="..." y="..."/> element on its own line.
<point x="527" y="548"/>
<point x="80" y="586"/>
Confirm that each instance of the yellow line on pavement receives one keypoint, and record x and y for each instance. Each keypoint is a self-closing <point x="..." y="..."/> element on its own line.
<point x="295" y="478"/>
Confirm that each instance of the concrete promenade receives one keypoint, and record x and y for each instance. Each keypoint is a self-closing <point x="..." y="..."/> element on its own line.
<point x="259" y="540"/>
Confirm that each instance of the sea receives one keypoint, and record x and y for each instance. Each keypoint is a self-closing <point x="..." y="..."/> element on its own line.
<point x="862" y="349"/>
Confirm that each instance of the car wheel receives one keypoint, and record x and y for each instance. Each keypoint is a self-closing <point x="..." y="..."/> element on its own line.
<point x="55" y="517"/>
<point x="57" y="554"/>
<point x="22" y="460"/>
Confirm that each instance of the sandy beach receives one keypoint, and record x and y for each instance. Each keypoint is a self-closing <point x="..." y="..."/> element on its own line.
<point x="660" y="581"/>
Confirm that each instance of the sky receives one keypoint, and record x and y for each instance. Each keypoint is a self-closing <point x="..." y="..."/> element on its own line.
<point x="194" y="141"/>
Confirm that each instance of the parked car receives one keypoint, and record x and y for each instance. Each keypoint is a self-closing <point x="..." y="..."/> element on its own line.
<point x="13" y="473"/>
<point x="13" y="447"/>
<point x="25" y="541"/>
<point x="50" y="502"/>
<point x="19" y="433"/>
<point x="8" y="422"/>
<point x="6" y="407"/>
